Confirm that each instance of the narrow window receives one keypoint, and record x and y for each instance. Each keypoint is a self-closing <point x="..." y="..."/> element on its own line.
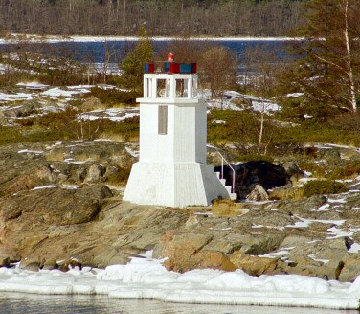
<point x="148" y="87"/>
<point x="182" y="88"/>
<point x="163" y="88"/>
<point x="163" y="120"/>
<point x="194" y="87"/>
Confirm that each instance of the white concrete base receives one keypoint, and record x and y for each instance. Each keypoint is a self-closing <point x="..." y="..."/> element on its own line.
<point x="173" y="185"/>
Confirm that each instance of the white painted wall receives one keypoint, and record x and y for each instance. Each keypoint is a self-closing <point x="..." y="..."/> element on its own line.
<point x="173" y="184"/>
<point x="172" y="168"/>
<point x="155" y="147"/>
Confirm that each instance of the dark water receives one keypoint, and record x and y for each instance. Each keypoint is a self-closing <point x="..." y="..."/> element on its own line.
<point x="95" y="51"/>
<point x="27" y="303"/>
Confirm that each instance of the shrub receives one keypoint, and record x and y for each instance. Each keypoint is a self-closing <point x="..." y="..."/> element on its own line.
<point x="114" y="96"/>
<point x="317" y="170"/>
<point x="128" y="129"/>
<point x="255" y="157"/>
<point x="240" y="127"/>
<point x="9" y="135"/>
<point x="49" y="135"/>
<point x="349" y="170"/>
<point x="324" y="187"/>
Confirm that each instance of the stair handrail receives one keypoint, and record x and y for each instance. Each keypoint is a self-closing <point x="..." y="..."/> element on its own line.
<point x="222" y="168"/>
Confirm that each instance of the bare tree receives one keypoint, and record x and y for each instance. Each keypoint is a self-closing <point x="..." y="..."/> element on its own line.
<point x="195" y="17"/>
<point x="218" y="69"/>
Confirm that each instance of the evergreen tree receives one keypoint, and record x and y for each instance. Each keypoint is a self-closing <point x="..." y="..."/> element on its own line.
<point x="328" y="71"/>
<point x="133" y="63"/>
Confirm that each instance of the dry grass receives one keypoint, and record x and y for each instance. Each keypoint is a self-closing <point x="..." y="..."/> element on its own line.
<point x="225" y="208"/>
<point x="285" y="193"/>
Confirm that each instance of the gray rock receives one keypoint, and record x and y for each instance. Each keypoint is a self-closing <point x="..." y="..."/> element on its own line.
<point x="30" y="264"/>
<point x="331" y="155"/>
<point x="91" y="103"/>
<point x="293" y="172"/>
<point x="50" y="264"/>
<point x="268" y="218"/>
<point x="94" y="173"/>
<point x="81" y="174"/>
<point x="254" y="243"/>
<point x="258" y="193"/>
<point x="4" y="261"/>
<point x="54" y="206"/>
<point x="61" y="178"/>
<point x="351" y="267"/>
<point x="304" y="205"/>
<point x="295" y="241"/>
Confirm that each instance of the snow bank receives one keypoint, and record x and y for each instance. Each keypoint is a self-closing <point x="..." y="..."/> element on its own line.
<point x="57" y="92"/>
<point x="147" y="278"/>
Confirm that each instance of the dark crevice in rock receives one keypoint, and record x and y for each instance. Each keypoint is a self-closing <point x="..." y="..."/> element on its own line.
<point x="338" y="269"/>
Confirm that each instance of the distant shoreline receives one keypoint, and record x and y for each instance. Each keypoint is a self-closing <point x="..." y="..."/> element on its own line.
<point x="16" y="38"/>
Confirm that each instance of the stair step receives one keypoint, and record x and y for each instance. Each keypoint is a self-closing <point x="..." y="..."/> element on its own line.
<point x="228" y="188"/>
<point x="223" y="181"/>
<point x="217" y="174"/>
<point x="233" y="196"/>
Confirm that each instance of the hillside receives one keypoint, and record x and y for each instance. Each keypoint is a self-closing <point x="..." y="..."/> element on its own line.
<point x="161" y="18"/>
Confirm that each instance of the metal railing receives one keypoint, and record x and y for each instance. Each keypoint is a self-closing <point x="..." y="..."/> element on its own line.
<point x="222" y="168"/>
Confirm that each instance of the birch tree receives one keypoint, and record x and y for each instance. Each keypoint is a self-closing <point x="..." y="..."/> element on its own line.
<point x="328" y="71"/>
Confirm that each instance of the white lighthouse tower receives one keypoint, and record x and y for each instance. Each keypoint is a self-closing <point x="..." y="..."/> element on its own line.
<point x="172" y="169"/>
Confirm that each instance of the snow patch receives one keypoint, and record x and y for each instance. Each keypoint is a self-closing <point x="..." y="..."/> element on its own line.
<point x="32" y="85"/>
<point x="354" y="248"/>
<point x="13" y="97"/>
<point x="36" y="152"/>
<point x="131" y="152"/>
<point x="43" y="187"/>
<point x="112" y="114"/>
<point x="338" y="233"/>
<point x="295" y="95"/>
<point x="304" y="223"/>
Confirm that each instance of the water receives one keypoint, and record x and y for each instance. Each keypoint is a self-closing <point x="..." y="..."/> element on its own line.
<point x="95" y="51"/>
<point x="27" y="303"/>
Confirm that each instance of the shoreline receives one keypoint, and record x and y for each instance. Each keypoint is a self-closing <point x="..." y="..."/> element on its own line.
<point x="87" y="38"/>
<point x="146" y="278"/>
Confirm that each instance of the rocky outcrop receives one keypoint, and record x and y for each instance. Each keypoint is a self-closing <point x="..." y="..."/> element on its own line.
<point x="59" y="209"/>
<point x="25" y="166"/>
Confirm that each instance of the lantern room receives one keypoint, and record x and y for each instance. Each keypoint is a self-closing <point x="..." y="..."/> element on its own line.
<point x="172" y="80"/>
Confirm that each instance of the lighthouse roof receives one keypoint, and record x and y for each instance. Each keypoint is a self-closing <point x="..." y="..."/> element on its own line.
<point x="170" y="68"/>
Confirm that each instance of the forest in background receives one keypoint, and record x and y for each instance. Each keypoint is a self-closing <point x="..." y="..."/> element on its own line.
<point x="160" y="17"/>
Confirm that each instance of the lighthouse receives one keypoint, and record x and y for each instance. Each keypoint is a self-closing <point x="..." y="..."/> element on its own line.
<point x="172" y="169"/>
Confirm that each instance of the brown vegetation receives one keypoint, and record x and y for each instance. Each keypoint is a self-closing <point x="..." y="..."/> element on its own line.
<point x="124" y="17"/>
